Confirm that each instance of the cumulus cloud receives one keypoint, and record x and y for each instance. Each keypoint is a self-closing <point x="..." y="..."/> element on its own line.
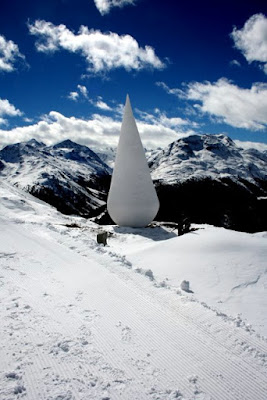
<point x="238" y="107"/>
<point x="104" y="6"/>
<point x="102" y="51"/>
<point x="251" y="40"/>
<point x="8" y="110"/>
<point x="98" y="132"/>
<point x="235" y="106"/>
<point x="9" y="54"/>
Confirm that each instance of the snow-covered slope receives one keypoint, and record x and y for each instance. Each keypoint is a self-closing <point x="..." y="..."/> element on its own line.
<point x="82" y="321"/>
<point x="207" y="156"/>
<point x="67" y="175"/>
<point x="209" y="179"/>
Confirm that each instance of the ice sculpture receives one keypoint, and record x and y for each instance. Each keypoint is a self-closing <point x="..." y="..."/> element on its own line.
<point x="132" y="199"/>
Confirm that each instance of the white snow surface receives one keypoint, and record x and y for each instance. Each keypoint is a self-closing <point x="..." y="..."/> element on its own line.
<point x="83" y="321"/>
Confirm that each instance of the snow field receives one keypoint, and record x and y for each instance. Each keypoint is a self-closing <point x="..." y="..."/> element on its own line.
<point x="82" y="321"/>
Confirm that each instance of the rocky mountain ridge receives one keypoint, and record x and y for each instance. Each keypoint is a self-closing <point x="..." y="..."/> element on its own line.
<point x="207" y="156"/>
<point x="67" y="175"/>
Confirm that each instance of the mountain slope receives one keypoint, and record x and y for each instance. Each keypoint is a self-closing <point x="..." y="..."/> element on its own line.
<point x="207" y="156"/>
<point x="67" y="175"/>
<point x="209" y="179"/>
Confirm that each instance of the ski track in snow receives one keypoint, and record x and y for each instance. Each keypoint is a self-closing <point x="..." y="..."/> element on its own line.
<point x="208" y="364"/>
<point x="107" y="332"/>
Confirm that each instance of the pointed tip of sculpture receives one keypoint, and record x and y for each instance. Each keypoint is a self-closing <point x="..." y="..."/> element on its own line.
<point x="128" y="107"/>
<point x="127" y="99"/>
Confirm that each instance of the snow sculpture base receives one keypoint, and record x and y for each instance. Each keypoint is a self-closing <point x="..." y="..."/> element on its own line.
<point x="132" y="199"/>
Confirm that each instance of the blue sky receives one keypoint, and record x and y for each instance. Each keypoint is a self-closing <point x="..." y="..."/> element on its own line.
<point x="67" y="65"/>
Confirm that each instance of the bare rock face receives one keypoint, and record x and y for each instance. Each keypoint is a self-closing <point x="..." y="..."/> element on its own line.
<point x="132" y="199"/>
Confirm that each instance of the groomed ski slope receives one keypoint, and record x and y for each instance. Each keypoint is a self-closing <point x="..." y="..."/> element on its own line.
<point x="80" y="321"/>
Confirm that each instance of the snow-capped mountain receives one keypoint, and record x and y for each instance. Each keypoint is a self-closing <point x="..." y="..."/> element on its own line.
<point x="206" y="178"/>
<point x="207" y="156"/>
<point x="209" y="179"/>
<point x="67" y="175"/>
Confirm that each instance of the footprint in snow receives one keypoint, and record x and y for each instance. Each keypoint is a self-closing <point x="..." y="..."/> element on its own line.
<point x="166" y="394"/>
<point x="61" y="346"/>
<point x="12" y="375"/>
<point x="90" y="315"/>
<point x="79" y="296"/>
<point x="7" y="255"/>
<point x="126" y="332"/>
<point x="19" y="389"/>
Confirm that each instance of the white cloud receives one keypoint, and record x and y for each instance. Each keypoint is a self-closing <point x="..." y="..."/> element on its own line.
<point x="238" y="107"/>
<point x="83" y="90"/>
<point x="174" y="91"/>
<point x="28" y="120"/>
<point x="9" y="54"/>
<point x="104" y="6"/>
<point x="80" y="92"/>
<point x="251" y="145"/>
<point x="98" y="133"/>
<point x="235" y="106"/>
<point x="7" y="109"/>
<point x="102" y="105"/>
<point x="73" y="96"/>
<point x="3" y="121"/>
<point x="251" y="40"/>
<point x="161" y="119"/>
<point x="235" y="63"/>
<point x="102" y="51"/>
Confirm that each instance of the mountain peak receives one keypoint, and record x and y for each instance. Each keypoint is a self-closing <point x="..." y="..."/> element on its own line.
<point x="34" y="143"/>
<point x="14" y="152"/>
<point x="77" y="152"/>
<point x="67" y="144"/>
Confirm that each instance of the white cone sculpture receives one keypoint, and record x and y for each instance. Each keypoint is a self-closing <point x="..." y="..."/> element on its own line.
<point x="132" y="199"/>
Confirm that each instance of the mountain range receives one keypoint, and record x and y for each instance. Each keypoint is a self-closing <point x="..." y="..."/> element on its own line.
<point x="204" y="178"/>
<point x="67" y="175"/>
